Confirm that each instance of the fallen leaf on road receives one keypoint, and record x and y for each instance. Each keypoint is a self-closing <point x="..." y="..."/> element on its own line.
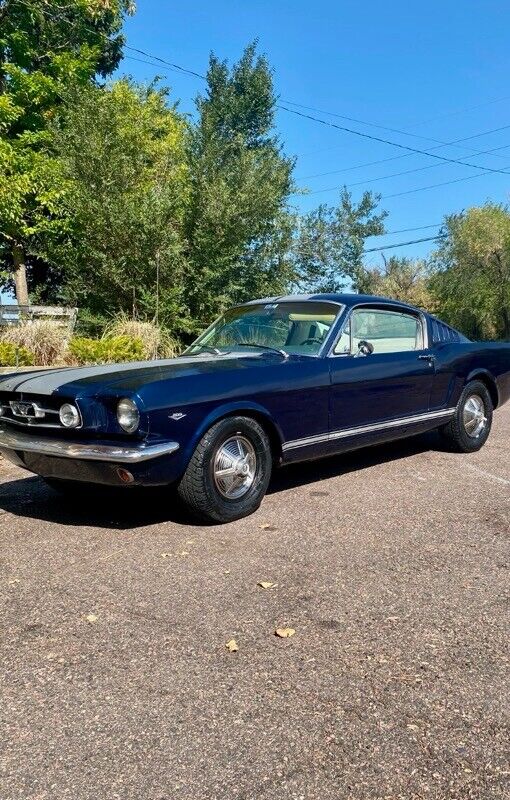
<point x="91" y="618"/>
<point x="185" y="553"/>
<point x="266" y="584"/>
<point x="14" y="581"/>
<point x="165" y="555"/>
<point x="266" y="526"/>
<point x="232" y="646"/>
<point x="284" y="633"/>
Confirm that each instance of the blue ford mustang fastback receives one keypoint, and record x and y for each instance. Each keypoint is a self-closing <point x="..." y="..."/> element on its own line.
<point x="270" y="382"/>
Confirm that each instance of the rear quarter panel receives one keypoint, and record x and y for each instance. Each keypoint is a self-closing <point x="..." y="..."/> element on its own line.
<point x="458" y="363"/>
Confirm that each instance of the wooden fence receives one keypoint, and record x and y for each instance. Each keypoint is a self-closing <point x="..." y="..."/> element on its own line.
<point x="14" y="315"/>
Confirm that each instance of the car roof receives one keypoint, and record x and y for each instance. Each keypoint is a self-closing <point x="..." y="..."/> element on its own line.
<point x="347" y="299"/>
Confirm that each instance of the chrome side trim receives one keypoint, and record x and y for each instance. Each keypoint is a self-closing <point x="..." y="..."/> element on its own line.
<point x="124" y="454"/>
<point x="308" y="441"/>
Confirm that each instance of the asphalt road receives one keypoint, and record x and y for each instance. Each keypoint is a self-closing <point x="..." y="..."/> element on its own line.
<point x="392" y="566"/>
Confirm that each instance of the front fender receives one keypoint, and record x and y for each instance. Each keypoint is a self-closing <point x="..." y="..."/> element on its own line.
<point x="229" y="409"/>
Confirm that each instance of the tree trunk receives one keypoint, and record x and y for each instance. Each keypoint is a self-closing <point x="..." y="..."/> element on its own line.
<point x="20" y="274"/>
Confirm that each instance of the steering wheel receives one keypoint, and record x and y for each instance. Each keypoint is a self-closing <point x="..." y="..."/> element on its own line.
<point x="310" y="340"/>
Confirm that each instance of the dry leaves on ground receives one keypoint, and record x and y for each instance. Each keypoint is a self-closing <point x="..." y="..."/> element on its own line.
<point x="266" y="584"/>
<point x="285" y="633"/>
<point x="232" y="646"/>
<point x="91" y="618"/>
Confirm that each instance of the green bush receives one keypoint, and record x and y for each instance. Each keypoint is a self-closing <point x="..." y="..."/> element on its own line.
<point x="123" y="348"/>
<point x="105" y="351"/>
<point x="85" y="350"/>
<point x="13" y="356"/>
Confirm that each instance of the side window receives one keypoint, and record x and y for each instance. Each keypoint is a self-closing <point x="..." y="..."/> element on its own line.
<point x="387" y="331"/>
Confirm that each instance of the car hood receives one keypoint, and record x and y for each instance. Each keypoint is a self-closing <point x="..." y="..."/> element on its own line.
<point x="130" y="377"/>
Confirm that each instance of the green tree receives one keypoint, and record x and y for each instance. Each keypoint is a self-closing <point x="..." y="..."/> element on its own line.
<point x="328" y="249"/>
<point x="405" y="279"/>
<point x="472" y="278"/>
<point x="45" y="48"/>
<point x="128" y="190"/>
<point x="237" y="226"/>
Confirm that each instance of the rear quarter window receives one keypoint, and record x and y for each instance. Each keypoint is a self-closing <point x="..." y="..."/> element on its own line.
<point x="443" y="333"/>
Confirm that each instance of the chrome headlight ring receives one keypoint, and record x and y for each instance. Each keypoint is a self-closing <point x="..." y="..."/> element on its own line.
<point x="128" y="415"/>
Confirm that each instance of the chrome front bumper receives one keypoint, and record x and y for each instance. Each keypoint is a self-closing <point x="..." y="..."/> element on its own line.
<point x="124" y="454"/>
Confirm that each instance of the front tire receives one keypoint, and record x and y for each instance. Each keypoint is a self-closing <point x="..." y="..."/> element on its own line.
<point x="229" y="471"/>
<point x="471" y="424"/>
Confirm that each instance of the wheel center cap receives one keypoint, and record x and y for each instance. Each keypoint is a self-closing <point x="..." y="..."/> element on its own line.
<point x="241" y="468"/>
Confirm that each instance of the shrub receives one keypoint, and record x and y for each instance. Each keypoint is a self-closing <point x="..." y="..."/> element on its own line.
<point x="45" y="339"/>
<point x="156" y="342"/>
<point x="85" y="351"/>
<point x="122" y="348"/>
<point x="13" y="356"/>
<point x="114" y="349"/>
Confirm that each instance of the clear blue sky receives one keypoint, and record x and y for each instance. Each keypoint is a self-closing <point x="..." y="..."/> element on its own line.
<point x="438" y="69"/>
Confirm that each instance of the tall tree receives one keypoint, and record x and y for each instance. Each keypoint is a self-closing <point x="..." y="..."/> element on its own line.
<point x="405" y="279"/>
<point x="44" y="49"/>
<point x="128" y="188"/>
<point x="237" y="225"/>
<point x="328" y="249"/>
<point x="472" y="282"/>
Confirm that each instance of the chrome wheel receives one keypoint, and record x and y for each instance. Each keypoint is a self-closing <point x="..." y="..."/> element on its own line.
<point x="474" y="416"/>
<point x="234" y="467"/>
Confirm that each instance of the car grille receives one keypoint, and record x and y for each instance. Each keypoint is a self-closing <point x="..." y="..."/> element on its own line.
<point x="31" y="411"/>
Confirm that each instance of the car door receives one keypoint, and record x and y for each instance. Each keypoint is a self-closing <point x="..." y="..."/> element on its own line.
<point x="385" y="379"/>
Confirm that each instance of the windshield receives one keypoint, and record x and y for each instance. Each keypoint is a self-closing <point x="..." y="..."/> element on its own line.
<point x="299" y="327"/>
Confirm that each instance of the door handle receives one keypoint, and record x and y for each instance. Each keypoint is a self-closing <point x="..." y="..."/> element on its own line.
<point x="428" y="357"/>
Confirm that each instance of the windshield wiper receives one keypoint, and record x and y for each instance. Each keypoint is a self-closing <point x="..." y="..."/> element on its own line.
<point x="263" y="347"/>
<point x="209" y="349"/>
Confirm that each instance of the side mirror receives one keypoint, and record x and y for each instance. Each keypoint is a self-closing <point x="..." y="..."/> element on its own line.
<point x="365" y="348"/>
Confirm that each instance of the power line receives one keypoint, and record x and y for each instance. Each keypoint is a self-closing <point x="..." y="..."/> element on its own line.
<point x="432" y="186"/>
<point x="398" y="174"/>
<point x="403" y="244"/>
<point x="410" y="150"/>
<point x="406" y="155"/>
<point x="440" y="237"/>
<point x="439" y="142"/>
<point x="391" y="143"/>
<point x="151" y="64"/>
<point x="419" y="169"/>
<point x="175" y="67"/>
<point x="407" y="230"/>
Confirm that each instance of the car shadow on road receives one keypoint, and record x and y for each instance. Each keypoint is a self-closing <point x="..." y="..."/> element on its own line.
<point x="308" y="472"/>
<point x="127" y="509"/>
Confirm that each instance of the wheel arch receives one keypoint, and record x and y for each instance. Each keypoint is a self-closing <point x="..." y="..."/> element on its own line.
<point x="488" y="380"/>
<point x="242" y="409"/>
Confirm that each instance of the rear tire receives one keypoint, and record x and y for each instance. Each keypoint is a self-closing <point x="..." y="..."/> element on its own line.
<point x="471" y="424"/>
<point x="229" y="471"/>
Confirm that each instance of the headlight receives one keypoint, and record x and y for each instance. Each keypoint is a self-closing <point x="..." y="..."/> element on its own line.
<point x="128" y="415"/>
<point x="69" y="416"/>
